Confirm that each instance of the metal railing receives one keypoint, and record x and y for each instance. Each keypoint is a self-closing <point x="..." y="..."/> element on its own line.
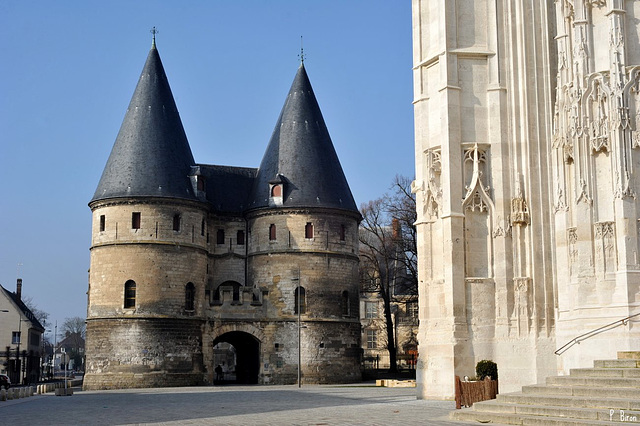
<point x="592" y="333"/>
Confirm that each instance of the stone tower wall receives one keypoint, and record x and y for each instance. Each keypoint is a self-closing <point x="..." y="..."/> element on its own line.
<point x="159" y="336"/>
<point x="325" y="267"/>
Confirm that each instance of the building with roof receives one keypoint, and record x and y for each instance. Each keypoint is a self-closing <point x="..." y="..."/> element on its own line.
<point x="20" y="338"/>
<point x="527" y="136"/>
<point x="188" y="259"/>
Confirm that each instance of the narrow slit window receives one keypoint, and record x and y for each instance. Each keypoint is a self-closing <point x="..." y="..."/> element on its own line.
<point x="102" y="223"/>
<point x="135" y="220"/>
<point x="272" y="232"/>
<point x="130" y="294"/>
<point x="189" y="297"/>
<point x="343" y="233"/>
<point x="300" y="301"/>
<point x="308" y="230"/>
<point x="176" y="222"/>
<point x="202" y="226"/>
<point x="345" y="303"/>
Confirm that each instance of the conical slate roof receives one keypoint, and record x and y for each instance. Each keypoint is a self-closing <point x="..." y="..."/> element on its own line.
<point x="151" y="155"/>
<point x="300" y="154"/>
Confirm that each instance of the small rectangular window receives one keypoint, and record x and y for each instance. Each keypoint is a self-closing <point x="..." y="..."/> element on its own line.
<point x="272" y="232"/>
<point x="102" y="223"/>
<point x="135" y="220"/>
<point x="372" y="339"/>
<point x="240" y="238"/>
<point x="176" y="222"/>
<point x="343" y="233"/>
<point x="308" y="230"/>
<point x="15" y="338"/>
<point x="371" y="310"/>
<point x="220" y="236"/>
<point x="202" y="226"/>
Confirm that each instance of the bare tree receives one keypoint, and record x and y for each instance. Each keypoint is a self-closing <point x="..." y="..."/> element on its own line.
<point x="40" y="315"/>
<point x="74" y="329"/>
<point x="388" y="252"/>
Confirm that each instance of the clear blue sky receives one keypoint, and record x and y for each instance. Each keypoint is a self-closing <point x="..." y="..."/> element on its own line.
<point x="68" y="70"/>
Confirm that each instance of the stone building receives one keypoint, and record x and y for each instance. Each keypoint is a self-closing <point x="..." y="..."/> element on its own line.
<point x="188" y="257"/>
<point x="526" y="126"/>
<point x="21" y="338"/>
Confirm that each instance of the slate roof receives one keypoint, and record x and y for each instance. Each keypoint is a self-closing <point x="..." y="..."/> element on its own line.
<point x="151" y="155"/>
<point x="23" y="308"/>
<point x="301" y="154"/>
<point x="228" y="187"/>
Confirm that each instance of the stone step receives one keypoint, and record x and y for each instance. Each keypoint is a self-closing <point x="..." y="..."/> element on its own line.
<point x="599" y="382"/>
<point x="590" y="391"/>
<point x="617" y="363"/>
<point x="629" y="355"/>
<point x="554" y="411"/>
<point x="522" y="419"/>
<point x="605" y="372"/>
<point x="604" y="402"/>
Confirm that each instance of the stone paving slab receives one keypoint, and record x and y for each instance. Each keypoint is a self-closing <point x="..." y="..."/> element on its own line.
<point x="231" y="405"/>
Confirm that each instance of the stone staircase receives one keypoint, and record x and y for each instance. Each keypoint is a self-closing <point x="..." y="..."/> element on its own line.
<point x="608" y="393"/>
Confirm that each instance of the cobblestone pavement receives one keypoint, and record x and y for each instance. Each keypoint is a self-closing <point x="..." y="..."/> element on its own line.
<point x="231" y="405"/>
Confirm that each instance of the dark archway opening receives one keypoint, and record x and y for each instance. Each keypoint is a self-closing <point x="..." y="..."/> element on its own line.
<point x="241" y="348"/>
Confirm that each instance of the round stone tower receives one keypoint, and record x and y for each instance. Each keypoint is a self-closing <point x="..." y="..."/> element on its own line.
<point x="148" y="250"/>
<point x="303" y="247"/>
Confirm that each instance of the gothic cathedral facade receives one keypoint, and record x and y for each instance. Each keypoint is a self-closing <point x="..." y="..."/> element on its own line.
<point x="527" y="136"/>
<point x="188" y="256"/>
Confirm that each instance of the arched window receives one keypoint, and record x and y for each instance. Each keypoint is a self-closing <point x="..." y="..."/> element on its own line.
<point x="301" y="300"/>
<point x="308" y="230"/>
<point x="345" y="303"/>
<point x="272" y="232"/>
<point x="189" y="297"/>
<point x="276" y="191"/>
<point x="130" y="294"/>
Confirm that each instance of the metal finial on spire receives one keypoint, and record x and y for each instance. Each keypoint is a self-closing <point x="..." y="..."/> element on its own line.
<point x="301" y="55"/>
<point x="154" y="32"/>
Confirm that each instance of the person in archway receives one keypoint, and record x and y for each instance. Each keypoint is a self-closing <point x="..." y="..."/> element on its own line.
<point x="218" y="371"/>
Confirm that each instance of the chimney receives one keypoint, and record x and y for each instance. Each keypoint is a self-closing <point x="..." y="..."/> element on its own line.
<point x="397" y="229"/>
<point x="19" y="289"/>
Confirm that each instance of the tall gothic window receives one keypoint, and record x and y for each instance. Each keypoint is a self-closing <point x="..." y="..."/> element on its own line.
<point x="130" y="294"/>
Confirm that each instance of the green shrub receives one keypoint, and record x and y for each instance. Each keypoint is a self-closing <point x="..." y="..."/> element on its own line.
<point x="486" y="368"/>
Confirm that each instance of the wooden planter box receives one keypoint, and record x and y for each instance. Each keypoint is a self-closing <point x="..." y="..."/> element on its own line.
<point x="469" y="392"/>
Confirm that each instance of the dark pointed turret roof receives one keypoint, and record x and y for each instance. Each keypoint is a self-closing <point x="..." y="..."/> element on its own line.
<point x="151" y="155"/>
<point x="301" y="155"/>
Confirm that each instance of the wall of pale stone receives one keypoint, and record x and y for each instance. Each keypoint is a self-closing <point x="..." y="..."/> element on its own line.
<point x="143" y="352"/>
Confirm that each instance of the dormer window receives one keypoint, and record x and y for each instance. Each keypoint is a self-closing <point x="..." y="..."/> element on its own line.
<point x="276" y="191"/>
<point x="201" y="183"/>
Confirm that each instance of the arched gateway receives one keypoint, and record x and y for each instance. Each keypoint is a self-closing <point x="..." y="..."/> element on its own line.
<point x="243" y="364"/>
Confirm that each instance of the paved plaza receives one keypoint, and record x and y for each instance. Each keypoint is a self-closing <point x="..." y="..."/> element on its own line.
<point x="360" y="404"/>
